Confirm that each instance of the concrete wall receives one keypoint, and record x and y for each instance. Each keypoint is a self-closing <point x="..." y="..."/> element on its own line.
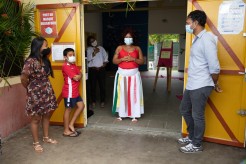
<point x="12" y="109"/>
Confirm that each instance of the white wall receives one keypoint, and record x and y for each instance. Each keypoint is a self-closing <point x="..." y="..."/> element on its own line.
<point x="175" y="21"/>
<point x="93" y="24"/>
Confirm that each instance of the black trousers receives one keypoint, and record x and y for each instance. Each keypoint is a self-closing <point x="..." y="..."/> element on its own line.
<point x="97" y="76"/>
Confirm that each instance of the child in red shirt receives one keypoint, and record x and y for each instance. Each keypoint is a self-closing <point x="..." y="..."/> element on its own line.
<point x="70" y="92"/>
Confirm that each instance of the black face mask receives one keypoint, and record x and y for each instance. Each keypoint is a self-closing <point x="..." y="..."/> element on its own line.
<point x="45" y="52"/>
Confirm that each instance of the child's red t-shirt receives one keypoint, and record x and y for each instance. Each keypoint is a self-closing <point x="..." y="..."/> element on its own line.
<point x="71" y="87"/>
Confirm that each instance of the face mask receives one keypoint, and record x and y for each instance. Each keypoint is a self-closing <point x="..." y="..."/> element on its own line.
<point x="128" y="41"/>
<point x="94" y="44"/>
<point x="45" y="52"/>
<point x="71" y="59"/>
<point x="188" y="29"/>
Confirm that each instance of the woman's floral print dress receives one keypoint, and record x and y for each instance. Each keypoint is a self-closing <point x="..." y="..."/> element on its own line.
<point x="40" y="94"/>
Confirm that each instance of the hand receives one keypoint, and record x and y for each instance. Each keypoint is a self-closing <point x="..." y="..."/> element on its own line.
<point x="217" y="88"/>
<point x="77" y="77"/>
<point x="96" y="50"/>
<point x="125" y="59"/>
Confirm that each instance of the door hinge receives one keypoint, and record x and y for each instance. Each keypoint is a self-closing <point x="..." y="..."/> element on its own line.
<point x="241" y="112"/>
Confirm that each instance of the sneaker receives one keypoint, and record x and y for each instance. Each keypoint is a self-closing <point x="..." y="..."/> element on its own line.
<point x="184" y="141"/>
<point x="190" y="148"/>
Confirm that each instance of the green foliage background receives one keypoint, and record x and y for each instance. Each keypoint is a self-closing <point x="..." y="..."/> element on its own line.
<point x="15" y="36"/>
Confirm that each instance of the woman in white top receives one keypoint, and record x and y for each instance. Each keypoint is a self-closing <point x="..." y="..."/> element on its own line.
<point x="97" y="59"/>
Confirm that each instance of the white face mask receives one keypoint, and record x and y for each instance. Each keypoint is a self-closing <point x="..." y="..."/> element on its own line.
<point x="189" y="29"/>
<point x="71" y="59"/>
<point x="94" y="44"/>
<point x="128" y="41"/>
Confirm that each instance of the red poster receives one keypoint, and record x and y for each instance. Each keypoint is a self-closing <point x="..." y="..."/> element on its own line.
<point x="48" y="23"/>
<point x="166" y="55"/>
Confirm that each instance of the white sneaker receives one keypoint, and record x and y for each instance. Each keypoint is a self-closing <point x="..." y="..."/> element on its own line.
<point x="190" y="148"/>
<point x="184" y="141"/>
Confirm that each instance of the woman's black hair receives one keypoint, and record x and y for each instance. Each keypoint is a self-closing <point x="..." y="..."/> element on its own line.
<point x="199" y="16"/>
<point x="131" y="32"/>
<point x="36" y="45"/>
<point x="47" y="66"/>
<point x="67" y="50"/>
<point x="89" y="40"/>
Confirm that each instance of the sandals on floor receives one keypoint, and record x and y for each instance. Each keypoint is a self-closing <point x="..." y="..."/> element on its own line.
<point x="75" y="130"/>
<point x="49" y="140"/>
<point x="37" y="147"/>
<point x="73" y="134"/>
<point x="119" y="119"/>
<point x="134" y="120"/>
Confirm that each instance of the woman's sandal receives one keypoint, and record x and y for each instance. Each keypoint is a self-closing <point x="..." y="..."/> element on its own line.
<point x="119" y="119"/>
<point x="49" y="140"/>
<point x="37" y="147"/>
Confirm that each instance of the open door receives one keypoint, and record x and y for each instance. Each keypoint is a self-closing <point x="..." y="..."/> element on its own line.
<point x="225" y="121"/>
<point x="66" y="30"/>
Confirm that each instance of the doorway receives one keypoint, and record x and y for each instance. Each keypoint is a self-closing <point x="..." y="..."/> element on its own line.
<point x="161" y="108"/>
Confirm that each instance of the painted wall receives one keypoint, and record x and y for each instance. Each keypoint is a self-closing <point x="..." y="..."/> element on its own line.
<point x="13" y="99"/>
<point x="12" y="109"/>
<point x="93" y="24"/>
<point x="175" y="21"/>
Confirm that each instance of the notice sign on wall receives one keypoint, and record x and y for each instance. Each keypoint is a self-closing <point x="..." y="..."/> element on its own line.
<point x="48" y="23"/>
<point x="231" y="17"/>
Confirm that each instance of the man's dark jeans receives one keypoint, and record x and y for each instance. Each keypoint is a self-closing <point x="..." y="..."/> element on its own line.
<point x="192" y="108"/>
<point x="97" y="75"/>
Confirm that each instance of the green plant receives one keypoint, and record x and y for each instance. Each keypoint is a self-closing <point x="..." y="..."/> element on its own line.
<point x="16" y="32"/>
<point x="130" y="4"/>
<point x="157" y="38"/>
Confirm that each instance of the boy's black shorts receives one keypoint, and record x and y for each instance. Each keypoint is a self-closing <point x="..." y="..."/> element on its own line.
<point x="71" y="102"/>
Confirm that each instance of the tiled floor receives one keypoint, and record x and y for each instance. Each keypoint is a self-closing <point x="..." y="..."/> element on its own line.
<point x="161" y="108"/>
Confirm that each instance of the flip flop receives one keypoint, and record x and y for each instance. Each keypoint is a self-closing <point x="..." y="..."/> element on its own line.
<point x="75" y="131"/>
<point x="119" y="119"/>
<point x="74" y="134"/>
<point x="79" y="132"/>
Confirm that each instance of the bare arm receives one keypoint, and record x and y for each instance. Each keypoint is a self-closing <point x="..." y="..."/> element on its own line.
<point x="77" y="77"/>
<point x="116" y="59"/>
<point x="24" y="80"/>
<point x="140" y="59"/>
<point x="215" y="78"/>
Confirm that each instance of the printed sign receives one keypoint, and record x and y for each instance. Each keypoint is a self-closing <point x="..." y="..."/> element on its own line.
<point x="166" y="55"/>
<point x="58" y="48"/>
<point x="231" y="17"/>
<point x="48" y="23"/>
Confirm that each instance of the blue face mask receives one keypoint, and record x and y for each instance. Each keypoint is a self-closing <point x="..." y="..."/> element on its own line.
<point x="188" y="29"/>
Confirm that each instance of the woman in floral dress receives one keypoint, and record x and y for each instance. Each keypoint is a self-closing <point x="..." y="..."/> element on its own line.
<point x="41" y="100"/>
